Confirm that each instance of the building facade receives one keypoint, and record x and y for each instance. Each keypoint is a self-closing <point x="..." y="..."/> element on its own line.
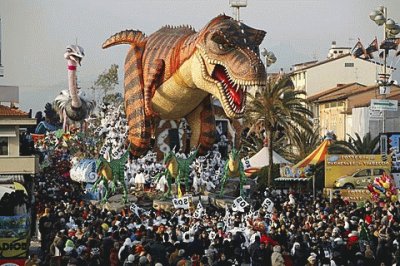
<point x="345" y="110"/>
<point x="341" y="67"/>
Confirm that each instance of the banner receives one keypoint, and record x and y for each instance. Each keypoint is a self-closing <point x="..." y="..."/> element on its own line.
<point x="14" y="226"/>
<point x="340" y="165"/>
<point x="239" y="204"/>
<point x="268" y="205"/>
<point x="199" y="211"/>
<point x="13" y="248"/>
<point x="14" y="262"/>
<point x="181" y="203"/>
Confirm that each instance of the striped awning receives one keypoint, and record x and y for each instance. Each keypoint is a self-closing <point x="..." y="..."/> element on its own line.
<point x="317" y="156"/>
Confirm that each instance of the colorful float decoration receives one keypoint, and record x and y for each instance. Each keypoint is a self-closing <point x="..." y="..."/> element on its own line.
<point x="174" y="72"/>
<point x="383" y="188"/>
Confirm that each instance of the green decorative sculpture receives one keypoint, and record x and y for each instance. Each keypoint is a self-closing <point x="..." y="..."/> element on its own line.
<point x="233" y="168"/>
<point x="177" y="168"/>
<point x="112" y="171"/>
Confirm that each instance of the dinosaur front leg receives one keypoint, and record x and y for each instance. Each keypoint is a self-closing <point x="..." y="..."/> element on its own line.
<point x="169" y="181"/>
<point x="106" y="194"/>
<point x="125" y="197"/>
<point x="202" y="124"/>
<point x="221" y="192"/>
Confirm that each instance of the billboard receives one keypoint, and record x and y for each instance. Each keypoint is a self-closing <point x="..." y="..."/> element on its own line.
<point x="14" y="237"/>
<point x="340" y="165"/>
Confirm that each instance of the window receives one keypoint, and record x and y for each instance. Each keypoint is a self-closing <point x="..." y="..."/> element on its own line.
<point x="348" y="64"/>
<point x="333" y="104"/>
<point x="378" y="171"/>
<point x="340" y="103"/>
<point x="365" y="172"/>
<point x="3" y="146"/>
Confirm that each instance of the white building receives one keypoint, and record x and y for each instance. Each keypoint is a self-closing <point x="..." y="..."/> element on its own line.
<point x="341" y="67"/>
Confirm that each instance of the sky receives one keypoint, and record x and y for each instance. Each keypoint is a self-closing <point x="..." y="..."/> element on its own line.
<point x="35" y="33"/>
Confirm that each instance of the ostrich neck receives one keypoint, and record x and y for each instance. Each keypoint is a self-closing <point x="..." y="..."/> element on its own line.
<point x="73" y="90"/>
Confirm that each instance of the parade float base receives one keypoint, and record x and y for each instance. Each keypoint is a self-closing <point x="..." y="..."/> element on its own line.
<point x="115" y="202"/>
<point x="220" y="202"/>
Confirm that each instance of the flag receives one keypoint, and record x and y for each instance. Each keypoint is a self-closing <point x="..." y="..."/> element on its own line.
<point x="358" y="50"/>
<point x="373" y="47"/>
<point x="390" y="44"/>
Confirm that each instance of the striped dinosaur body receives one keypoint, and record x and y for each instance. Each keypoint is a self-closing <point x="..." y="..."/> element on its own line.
<point x="173" y="73"/>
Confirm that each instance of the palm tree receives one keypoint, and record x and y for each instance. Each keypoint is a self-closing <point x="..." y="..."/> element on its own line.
<point x="366" y="145"/>
<point x="278" y="108"/>
<point x="302" y="143"/>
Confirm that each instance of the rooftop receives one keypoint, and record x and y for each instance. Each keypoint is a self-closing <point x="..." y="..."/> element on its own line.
<point x="6" y="111"/>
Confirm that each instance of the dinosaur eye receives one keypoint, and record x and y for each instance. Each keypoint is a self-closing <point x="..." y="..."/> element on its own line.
<point x="225" y="46"/>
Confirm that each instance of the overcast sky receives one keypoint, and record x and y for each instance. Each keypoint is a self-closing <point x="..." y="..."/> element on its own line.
<point x="35" y="33"/>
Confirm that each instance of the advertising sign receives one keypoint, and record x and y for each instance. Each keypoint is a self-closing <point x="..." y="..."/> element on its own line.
<point x="14" y="248"/>
<point x="14" y="231"/>
<point x="346" y="165"/>
<point x="390" y="145"/>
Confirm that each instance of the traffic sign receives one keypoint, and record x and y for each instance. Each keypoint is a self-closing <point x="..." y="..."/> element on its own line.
<point x="384" y="105"/>
<point x="375" y="114"/>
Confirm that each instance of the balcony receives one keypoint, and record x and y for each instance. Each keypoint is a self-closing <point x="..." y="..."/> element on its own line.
<point x="19" y="165"/>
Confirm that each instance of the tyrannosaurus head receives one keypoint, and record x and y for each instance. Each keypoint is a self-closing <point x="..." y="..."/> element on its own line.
<point x="228" y="55"/>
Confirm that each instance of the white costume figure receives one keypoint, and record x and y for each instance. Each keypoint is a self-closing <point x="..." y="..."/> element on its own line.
<point x="196" y="182"/>
<point x="162" y="182"/>
<point x="139" y="181"/>
<point x="291" y="200"/>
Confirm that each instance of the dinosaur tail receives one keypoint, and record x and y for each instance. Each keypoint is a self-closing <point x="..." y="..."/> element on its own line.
<point x="139" y="124"/>
<point x="125" y="37"/>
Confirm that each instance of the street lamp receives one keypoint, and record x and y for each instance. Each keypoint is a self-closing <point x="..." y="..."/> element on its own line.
<point x="237" y="4"/>
<point x="390" y="30"/>
<point x="270" y="58"/>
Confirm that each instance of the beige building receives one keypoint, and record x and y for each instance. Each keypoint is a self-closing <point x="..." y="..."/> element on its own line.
<point x="344" y="109"/>
<point x="340" y="67"/>
<point x="11" y="163"/>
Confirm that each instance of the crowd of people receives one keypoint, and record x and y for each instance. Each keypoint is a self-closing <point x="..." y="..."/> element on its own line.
<point x="302" y="231"/>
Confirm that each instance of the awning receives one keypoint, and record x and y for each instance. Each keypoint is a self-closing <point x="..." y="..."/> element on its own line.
<point x="261" y="159"/>
<point x="317" y="156"/>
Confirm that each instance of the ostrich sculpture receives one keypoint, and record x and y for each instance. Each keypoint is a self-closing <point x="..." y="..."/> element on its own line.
<point x="71" y="104"/>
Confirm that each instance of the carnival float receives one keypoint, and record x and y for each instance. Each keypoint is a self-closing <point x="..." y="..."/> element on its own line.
<point x="171" y="78"/>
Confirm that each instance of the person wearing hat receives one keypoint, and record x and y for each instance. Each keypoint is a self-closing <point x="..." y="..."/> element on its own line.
<point x="125" y="250"/>
<point x="130" y="260"/>
<point x="70" y="252"/>
<point x="311" y="260"/>
<point x="276" y="257"/>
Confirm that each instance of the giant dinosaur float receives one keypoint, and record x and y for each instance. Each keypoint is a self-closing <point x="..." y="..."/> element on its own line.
<point x="173" y="73"/>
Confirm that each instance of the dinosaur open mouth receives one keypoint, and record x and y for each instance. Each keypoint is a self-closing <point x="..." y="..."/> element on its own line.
<point x="234" y="92"/>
